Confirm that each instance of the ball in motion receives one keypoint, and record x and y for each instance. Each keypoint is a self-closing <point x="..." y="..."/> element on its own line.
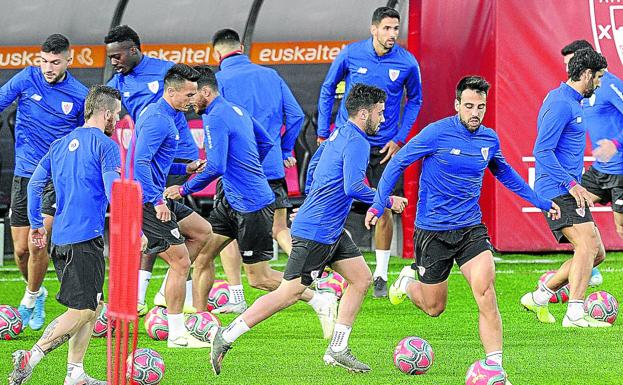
<point x="10" y="322"/>
<point x="413" y="355"/>
<point x="602" y="306"/>
<point x="562" y="295"/>
<point x="219" y="294"/>
<point x="202" y="325"/>
<point x="332" y="282"/>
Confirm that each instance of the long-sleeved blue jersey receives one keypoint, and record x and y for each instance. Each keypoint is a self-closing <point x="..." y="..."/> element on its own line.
<point x="335" y="177"/>
<point x="153" y="150"/>
<point x="144" y="85"/>
<point x="235" y="145"/>
<point x="266" y="96"/>
<point x="603" y="118"/>
<point x="453" y="165"/>
<point x="393" y="72"/>
<point x="82" y="166"/>
<point x="45" y="112"/>
<point x="560" y="143"/>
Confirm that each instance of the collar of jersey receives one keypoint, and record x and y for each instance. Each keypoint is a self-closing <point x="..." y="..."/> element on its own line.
<point x="166" y="107"/>
<point x="237" y="58"/>
<point x="355" y="128"/>
<point x="568" y="90"/>
<point x="142" y="64"/>
<point x="218" y="100"/>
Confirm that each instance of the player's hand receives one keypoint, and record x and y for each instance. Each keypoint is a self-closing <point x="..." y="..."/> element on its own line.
<point x="196" y="166"/>
<point x="295" y="211"/>
<point x="399" y="204"/>
<point x="319" y="140"/>
<point x="605" y="151"/>
<point x="173" y="192"/>
<point x="162" y="212"/>
<point x="554" y="212"/>
<point x="390" y="148"/>
<point x="370" y="220"/>
<point x="39" y="237"/>
<point x="143" y="243"/>
<point x="582" y="196"/>
<point x="290" y="162"/>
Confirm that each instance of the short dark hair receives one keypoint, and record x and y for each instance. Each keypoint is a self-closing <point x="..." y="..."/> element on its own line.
<point x="55" y="44"/>
<point x="100" y="98"/>
<point x="206" y="77"/>
<point x="575" y="46"/>
<point x="585" y="59"/>
<point x="384" y="12"/>
<point x="122" y="33"/>
<point x="226" y="36"/>
<point x="363" y="96"/>
<point x="178" y="74"/>
<point x="474" y="83"/>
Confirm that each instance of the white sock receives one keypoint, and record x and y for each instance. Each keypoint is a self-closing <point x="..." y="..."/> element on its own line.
<point x="29" y="298"/>
<point x="36" y="355"/>
<point x="235" y="330"/>
<point x="542" y="295"/>
<point x="382" y="261"/>
<point x="575" y="309"/>
<point x="495" y="357"/>
<point x="339" y="341"/>
<point x="176" y="325"/>
<point x="317" y="301"/>
<point x="164" y="284"/>
<point x="236" y="294"/>
<point x="75" y="370"/>
<point x="143" y="281"/>
<point x="189" y="293"/>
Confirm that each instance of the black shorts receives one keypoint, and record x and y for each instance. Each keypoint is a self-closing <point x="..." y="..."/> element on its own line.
<point x="375" y="170"/>
<point x="608" y="187"/>
<point x="280" y="188"/>
<point x="436" y="251"/>
<point x="309" y="258"/>
<point x="253" y="231"/>
<point x="570" y="215"/>
<point x="162" y="235"/>
<point x="173" y="180"/>
<point x="80" y="268"/>
<point x="19" y="201"/>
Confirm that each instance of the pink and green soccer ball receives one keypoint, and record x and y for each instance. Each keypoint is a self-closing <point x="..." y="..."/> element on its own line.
<point x="602" y="306"/>
<point x="10" y="322"/>
<point x="332" y="282"/>
<point x="157" y="324"/>
<point x="413" y="355"/>
<point x="562" y="295"/>
<point x="100" y="328"/>
<point x="219" y="294"/>
<point x="485" y="372"/>
<point x="148" y="367"/>
<point x="203" y="325"/>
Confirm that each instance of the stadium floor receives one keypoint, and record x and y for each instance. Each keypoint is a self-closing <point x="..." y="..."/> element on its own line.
<point x="288" y="348"/>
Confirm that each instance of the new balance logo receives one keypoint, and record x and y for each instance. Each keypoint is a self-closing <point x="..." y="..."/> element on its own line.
<point x="455" y="151"/>
<point x="36" y="97"/>
<point x="362" y="70"/>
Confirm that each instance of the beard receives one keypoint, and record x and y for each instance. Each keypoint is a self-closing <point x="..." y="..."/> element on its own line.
<point x="466" y="124"/>
<point x="371" y="129"/>
<point x="109" y="129"/>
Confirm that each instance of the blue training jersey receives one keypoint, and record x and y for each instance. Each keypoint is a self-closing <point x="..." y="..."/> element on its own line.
<point x="45" y="112"/>
<point x="560" y="143"/>
<point x="603" y="118"/>
<point x="82" y="166"/>
<point x="235" y="144"/>
<point x="453" y="165"/>
<point x="335" y="177"/>
<point x="393" y="72"/>
<point x="153" y="150"/>
<point x="144" y="85"/>
<point x="266" y="96"/>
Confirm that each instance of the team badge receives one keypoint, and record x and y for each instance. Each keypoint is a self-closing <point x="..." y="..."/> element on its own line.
<point x="581" y="211"/>
<point x="73" y="145"/>
<point x="606" y="22"/>
<point x="67" y="106"/>
<point x="175" y="232"/>
<point x="393" y="74"/>
<point x="153" y="86"/>
<point x="485" y="152"/>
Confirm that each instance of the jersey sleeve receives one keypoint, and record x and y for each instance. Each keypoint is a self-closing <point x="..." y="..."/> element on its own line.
<point x="262" y="138"/>
<point x="12" y="89"/>
<point x="336" y="73"/>
<point x="294" y="117"/>
<point x="354" y="167"/>
<point x="148" y="141"/>
<point x="313" y="163"/>
<point x="37" y="183"/>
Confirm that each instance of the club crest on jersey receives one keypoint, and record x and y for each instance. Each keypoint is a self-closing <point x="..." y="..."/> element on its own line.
<point x="581" y="211"/>
<point x="67" y="106"/>
<point x="485" y="152"/>
<point x="606" y="21"/>
<point x="153" y="86"/>
<point x="393" y="75"/>
<point x="73" y="145"/>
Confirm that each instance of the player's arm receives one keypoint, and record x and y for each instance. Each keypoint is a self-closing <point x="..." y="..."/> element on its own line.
<point x="413" y="85"/>
<point x="148" y="141"/>
<point x="12" y="89"/>
<point x="262" y="138"/>
<point x="37" y="183"/>
<point x="354" y="168"/>
<point x="610" y="146"/>
<point x="336" y="73"/>
<point x="313" y="163"/>
<point x="294" y="117"/>
<point x="110" y="160"/>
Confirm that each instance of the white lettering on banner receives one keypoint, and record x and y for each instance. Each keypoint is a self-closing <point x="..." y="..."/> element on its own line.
<point x="184" y="55"/>
<point x="300" y="54"/>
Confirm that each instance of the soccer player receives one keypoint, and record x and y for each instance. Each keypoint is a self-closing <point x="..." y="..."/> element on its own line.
<point x="50" y="105"/>
<point x="377" y="61"/>
<point x="559" y="153"/>
<point x="455" y="152"/>
<point x="335" y="177"/>
<point x="175" y="232"/>
<point x="265" y="95"/>
<point x="140" y="79"/>
<point x="82" y="166"/>
<point x="235" y="146"/>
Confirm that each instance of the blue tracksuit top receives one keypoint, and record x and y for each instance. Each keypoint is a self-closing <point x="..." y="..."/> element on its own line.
<point x="393" y="72"/>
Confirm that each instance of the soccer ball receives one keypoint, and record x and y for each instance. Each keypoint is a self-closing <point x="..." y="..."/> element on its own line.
<point x="157" y="324"/>
<point x="10" y="322"/>
<point x="100" y="328"/>
<point x="219" y="294"/>
<point x="202" y="325"/>
<point x="562" y="295"/>
<point x="148" y="367"/>
<point x="485" y="372"/>
<point x="602" y="306"/>
<point x="413" y="355"/>
<point x="332" y="282"/>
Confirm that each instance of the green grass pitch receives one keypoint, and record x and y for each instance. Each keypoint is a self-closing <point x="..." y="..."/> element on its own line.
<point x="288" y="348"/>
